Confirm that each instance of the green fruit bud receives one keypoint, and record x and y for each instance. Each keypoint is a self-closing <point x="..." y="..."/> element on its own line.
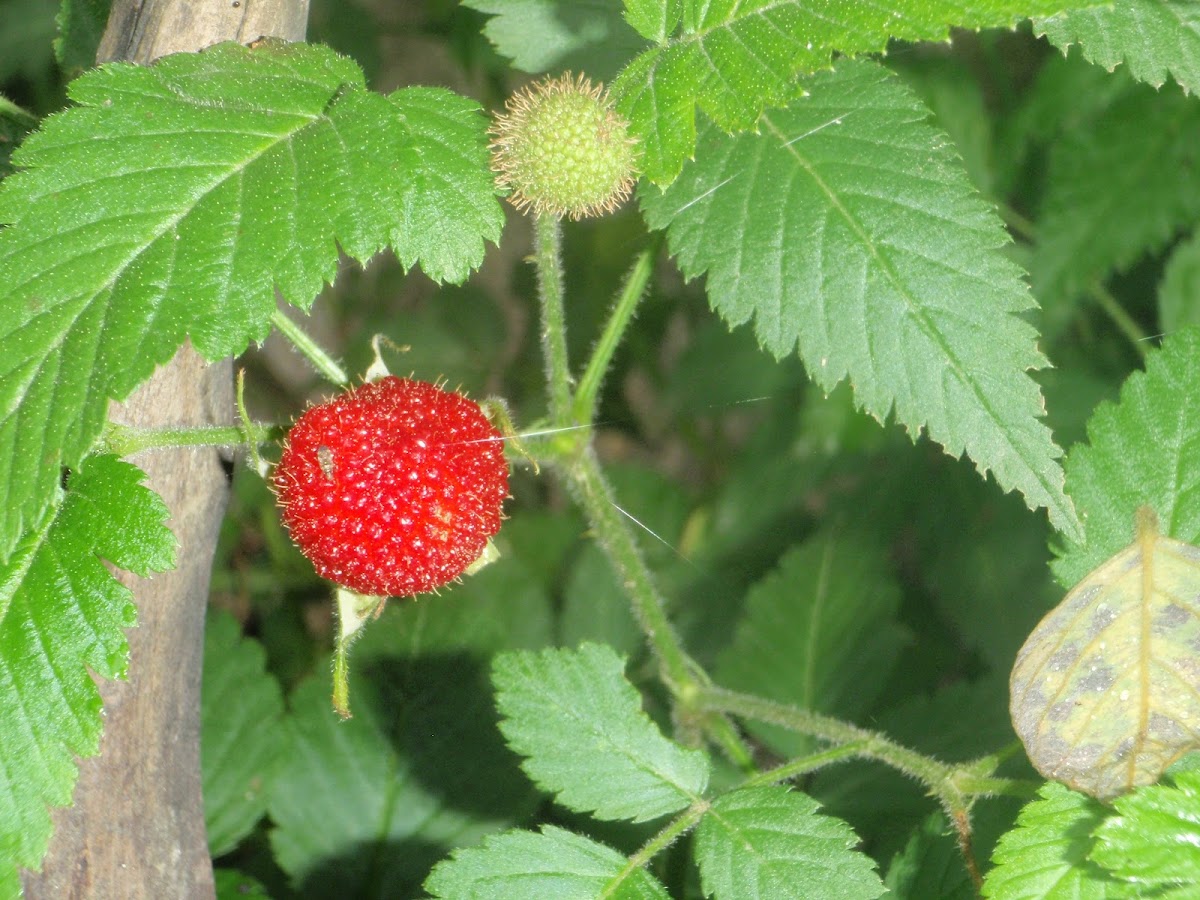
<point x="560" y="149"/>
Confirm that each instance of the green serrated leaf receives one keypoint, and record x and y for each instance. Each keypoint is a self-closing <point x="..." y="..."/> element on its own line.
<point x="1152" y="840"/>
<point x="1118" y="187"/>
<point x="590" y="36"/>
<point x="581" y="727"/>
<point x="931" y="865"/>
<point x="733" y="60"/>
<point x="553" y="865"/>
<point x="1179" y="293"/>
<point x="771" y="842"/>
<point x="820" y="632"/>
<point x="847" y="227"/>
<point x="62" y="616"/>
<point x="654" y="20"/>
<point x="1046" y="856"/>
<point x="176" y="198"/>
<point x="365" y="807"/>
<point x="1141" y="451"/>
<point x="241" y="734"/>
<point x="1153" y="38"/>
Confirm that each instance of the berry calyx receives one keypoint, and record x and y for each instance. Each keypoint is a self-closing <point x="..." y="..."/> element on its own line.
<point x="562" y="150"/>
<point x="393" y="488"/>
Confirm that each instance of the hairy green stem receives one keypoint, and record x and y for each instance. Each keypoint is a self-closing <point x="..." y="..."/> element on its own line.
<point x="323" y="362"/>
<point x="673" y="830"/>
<point x="955" y="785"/>
<point x="547" y="256"/>
<point x="586" y="394"/>
<point x="804" y="765"/>
<point x="124" y="440"/>
<point x="615" y="537"/>
<point x="573" y="452"/>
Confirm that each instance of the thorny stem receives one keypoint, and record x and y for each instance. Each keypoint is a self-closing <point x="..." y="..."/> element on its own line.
<point x="547" y="257"/>
<point x="321" y="360"/>
<point x="612" y="532"/>
<point x="614" y="535"/>
<point x="670" y="833"/>
<point x="125" y="440"/>
<point x="954" y="784"/>
<point x="586" y="395"/>
<point x="805" y="765"/>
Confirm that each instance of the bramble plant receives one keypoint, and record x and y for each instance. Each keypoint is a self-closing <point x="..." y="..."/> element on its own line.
<point x="855" y="341"/>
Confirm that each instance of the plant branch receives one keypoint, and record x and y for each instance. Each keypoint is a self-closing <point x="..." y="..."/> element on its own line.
<point x="804" y="765"/>
<point x="125" y="440"/>
<point x="616" y="539"/>
<point x="586" y="395"/>
<point x="547" y="257"/>
<point x="300" y="339"/>
<point x="670" y="833"/>
<point x="955" y="785"/>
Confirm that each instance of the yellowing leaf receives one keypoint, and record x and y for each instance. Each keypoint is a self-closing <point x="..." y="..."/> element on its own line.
<point x="1105" y="693"/>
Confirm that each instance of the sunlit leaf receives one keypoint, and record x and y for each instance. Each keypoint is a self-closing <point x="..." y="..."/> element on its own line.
<point x="1154" y="39"/>
<point x="1106" y="690"/>
<point x="1046" y="856"/>
<point x="1153" y="840"/>
<point x="847" y="230"/>
<point x="771" y="842"/>
<point x="552" y="864"/>
<point x="581" y="727"/>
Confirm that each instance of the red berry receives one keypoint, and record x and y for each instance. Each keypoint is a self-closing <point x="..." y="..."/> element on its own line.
<point x="393" y="488"/>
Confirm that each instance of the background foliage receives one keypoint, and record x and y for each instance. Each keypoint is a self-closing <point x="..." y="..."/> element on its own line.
<point x="837" y="344"/>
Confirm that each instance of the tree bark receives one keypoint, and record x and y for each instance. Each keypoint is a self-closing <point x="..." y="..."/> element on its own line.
<point x="136" y="829"/>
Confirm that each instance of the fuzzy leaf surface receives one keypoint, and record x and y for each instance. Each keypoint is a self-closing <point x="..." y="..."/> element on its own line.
<point x="772" y="842"/>
<point x="1155" y="39"/>
<point x="241" y="733"/>
<point x="62" y="617"/>
<point x="1142" y="450"/>
<point x="1106" y="690"/>
<point x="554" y="864"/>
<point x="174" y="199"/>
<point x="581" y="727"/>
<point x="1119" y="186"/>
<point x="847" y="227"/>
<point x="1152" y="839"/>
<point x="654" y="20"/>
<point x="1046" y="856"/>
<point x="734" y="59"/>
<point x="820" y="632"/>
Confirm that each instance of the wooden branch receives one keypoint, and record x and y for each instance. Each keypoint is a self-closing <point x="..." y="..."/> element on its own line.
<point x="136" y="829"/>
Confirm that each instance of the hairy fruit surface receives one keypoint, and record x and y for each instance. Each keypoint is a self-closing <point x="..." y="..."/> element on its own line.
<point x="393" y="488"/>
<point x="561" y="149"/>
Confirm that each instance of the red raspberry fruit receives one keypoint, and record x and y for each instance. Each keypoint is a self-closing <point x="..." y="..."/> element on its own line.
<point x="393" y="488"/>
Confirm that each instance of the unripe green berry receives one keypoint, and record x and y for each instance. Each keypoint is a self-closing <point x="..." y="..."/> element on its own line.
<point x="560" y="149"/>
